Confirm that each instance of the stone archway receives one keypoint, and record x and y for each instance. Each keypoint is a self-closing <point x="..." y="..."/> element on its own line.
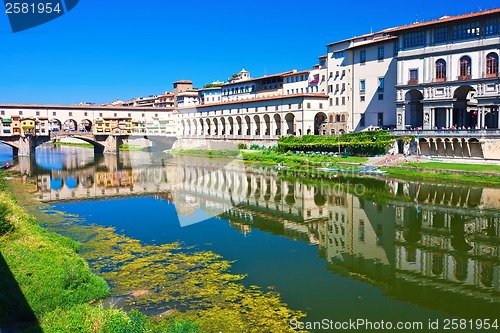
<point x="320" y="123"/>
<point x="85" y="125"/>
<point x="256" y="120"/>
<point x="414" y="109"/>
<point x="465" y="112"/>
<point x="290" y="123"/>
<point x="277" y="121"/>
<point x="267" y="125"/>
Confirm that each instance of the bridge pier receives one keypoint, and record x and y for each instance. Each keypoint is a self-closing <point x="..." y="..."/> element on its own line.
<point x="25" y="146"/>
<point x="108" y="144"/>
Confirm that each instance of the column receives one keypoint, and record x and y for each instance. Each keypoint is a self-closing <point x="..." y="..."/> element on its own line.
<point x="427" y="118"/>
<point x="483" y="116"/>
<point x="400" y="117"/>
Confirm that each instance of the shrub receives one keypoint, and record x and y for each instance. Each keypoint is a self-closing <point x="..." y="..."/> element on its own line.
<point x="242" y="146"/>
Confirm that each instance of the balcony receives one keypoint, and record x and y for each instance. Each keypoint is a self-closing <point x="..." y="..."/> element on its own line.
<point x="440" y="79"/>
<point x="491" y="75"/>
<point x="413" y="81"/>
<point x="464" y="77"/>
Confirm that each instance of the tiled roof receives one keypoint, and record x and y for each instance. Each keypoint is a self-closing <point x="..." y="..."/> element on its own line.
<point x="446" y="19"/>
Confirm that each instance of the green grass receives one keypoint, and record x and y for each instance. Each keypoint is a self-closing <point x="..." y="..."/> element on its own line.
<point x="205" y="153"/>
<point x="290" y="159"/>
<point x="74" y="144"/>
<point x="50" y="276"/>
<point x="440" y="177"/>
<point x="456" y="166"/>
<point x="129" y="147"/>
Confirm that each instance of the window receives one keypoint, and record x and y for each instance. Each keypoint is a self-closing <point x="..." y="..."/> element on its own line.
<point x="492" y="27"/>
<point x="362" y="85"/>
<point x="331" y="74"/>
<point x="320" y="105"/>
<point x="380" y="53"/>
<point x="413" y="76"/>
<point x="20" y="113"/>
<point x="362" y="56"/>
<point x="362" y="98"/>
<point x="308" y="105"/>
<point x="289" y="106"/>
<point x="129" y="115"/>
<point x="343" y="86"/>
<point x="337" y="87"/>
<point x="100" y="114"/>
<point x="38" y="113"/>
<point x="380" y="119"/>
<point x="331" y="118"/>
<point x="414" y="39"/>
<point x="466" y="30"/>
<point x="331" y="102"/>
<point x="380" y="97"/>
<point x="337" y="118"/>
<point x="343" y="100"/>
<point x="440" y="35"/>
<point x="330" y="88"/>
<point x="440" y="70"/>
<point x="380" y="83"/>
<point x="337" y="101"/>
<point x="276" y="108"/>
<point x="3" y="113"/>
<point x="465" y="68"/>
<point x="492" y="65"/>
<point x="143" y="115"/>
<point x="343" y="72"/>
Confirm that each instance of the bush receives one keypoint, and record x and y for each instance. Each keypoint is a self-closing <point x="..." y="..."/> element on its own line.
<point x="359" y="143"/>
<point x="5" y="225"/>
<point x="242" y="146"/>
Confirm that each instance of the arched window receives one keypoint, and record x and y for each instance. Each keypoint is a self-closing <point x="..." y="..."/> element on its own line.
<point x="492" y="65"/>
<point x="440" y="70"/>
<point x="343" y="118"/>
<point x="465" y="68"/>
<point x="331" y="118"/>
<point x="337" y="118"/>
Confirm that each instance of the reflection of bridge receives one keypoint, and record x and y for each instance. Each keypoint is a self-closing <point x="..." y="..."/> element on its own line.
<point x="24" y="127"/>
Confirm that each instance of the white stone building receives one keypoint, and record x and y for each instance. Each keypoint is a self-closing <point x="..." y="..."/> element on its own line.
<point x="447" y="74"/>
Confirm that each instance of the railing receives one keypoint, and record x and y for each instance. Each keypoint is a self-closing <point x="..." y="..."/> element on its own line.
<point x="448" y="132"/>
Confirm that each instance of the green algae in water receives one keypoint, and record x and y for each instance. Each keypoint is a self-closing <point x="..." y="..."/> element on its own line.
<point x="174" y="281"/>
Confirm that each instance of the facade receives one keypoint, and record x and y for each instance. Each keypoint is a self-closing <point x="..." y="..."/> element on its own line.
<point x="361" y="82"/>
<point x="258" y="118"/>
<point x="447" y="75"/>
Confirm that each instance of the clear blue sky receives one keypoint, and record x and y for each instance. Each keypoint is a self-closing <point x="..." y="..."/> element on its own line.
<point x="108" y="49"/>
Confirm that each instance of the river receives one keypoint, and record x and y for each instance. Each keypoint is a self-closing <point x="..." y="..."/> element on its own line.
<point x="338" y="248"/>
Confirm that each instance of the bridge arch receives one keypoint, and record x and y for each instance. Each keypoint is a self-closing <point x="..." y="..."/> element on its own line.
<point x="70" y="125"/>
<point x="85" y="125"/>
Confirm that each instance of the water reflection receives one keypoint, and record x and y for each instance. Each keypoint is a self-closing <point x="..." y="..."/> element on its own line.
<point x="436" y="246"/>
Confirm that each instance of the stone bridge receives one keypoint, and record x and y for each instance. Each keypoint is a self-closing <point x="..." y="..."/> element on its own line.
<point x="24" y="127"/>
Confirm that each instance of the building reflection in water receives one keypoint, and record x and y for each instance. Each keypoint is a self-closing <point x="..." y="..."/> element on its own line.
<point x="392" y="233"/>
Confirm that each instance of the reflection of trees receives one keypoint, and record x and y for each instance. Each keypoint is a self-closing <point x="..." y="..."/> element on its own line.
<point x="458" y="234"/>
<point x="461" y="267"/>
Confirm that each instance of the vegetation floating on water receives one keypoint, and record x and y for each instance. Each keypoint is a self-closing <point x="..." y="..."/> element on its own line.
<point x="186" y="291"/>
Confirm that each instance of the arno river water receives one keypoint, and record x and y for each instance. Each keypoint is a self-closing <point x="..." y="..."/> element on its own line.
<point x="338" y="248"/>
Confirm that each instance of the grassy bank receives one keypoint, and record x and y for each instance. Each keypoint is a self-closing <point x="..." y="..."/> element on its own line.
<point x="49" y="286"/>
<point x="290" y="159"/>
<point x="441" y="175"/>
<point x="457" y="166"/>
<point x="189" y="291"/>
<point x="270" y="156"/>
<point x="74" y="144"/>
